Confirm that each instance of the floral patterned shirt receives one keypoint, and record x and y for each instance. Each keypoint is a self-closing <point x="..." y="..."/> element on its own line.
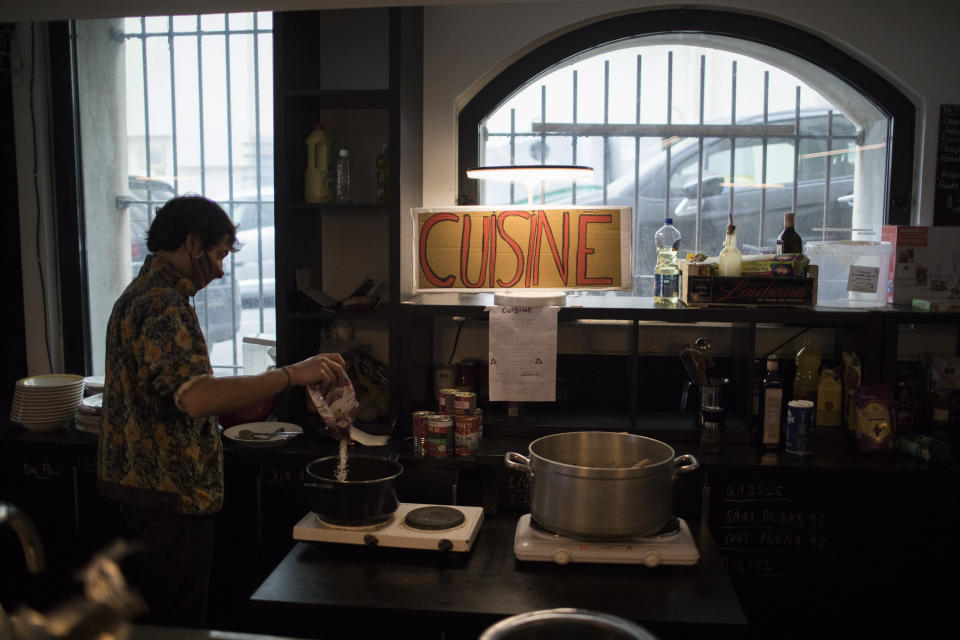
<point x="151" y="453"/>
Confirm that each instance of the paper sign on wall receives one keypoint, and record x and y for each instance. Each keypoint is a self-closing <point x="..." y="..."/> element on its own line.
<point x="483" y="249"/>
<point x="523" y="354"/>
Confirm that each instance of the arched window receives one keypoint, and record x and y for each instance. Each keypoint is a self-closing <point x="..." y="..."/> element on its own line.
<point x="700" y="116"/>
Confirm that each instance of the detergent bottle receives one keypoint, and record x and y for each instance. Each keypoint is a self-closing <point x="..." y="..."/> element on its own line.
<point x="316" y="187"/>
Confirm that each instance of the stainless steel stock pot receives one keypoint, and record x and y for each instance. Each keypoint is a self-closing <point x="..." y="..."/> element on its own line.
<point x="601" y="485"/>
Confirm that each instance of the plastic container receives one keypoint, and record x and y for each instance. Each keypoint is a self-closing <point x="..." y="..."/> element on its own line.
<point x="835" y="259"/>
<point x="315" y="184"/>
<point x="343" y="176"/>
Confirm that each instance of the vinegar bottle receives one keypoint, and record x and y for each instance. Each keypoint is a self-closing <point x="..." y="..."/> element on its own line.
<point x="772" y="404"/>
<point x="730" y="260"/>
<point x="315" y="185"/>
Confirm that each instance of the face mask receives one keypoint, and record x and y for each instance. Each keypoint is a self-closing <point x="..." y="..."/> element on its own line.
<point x="203" y="270"/>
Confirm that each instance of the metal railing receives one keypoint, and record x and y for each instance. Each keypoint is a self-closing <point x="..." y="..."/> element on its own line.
<point x="178" y="88"/>
<point x="670" y="133"/>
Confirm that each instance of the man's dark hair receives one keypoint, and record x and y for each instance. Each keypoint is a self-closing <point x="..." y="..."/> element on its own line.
<point x="194" y="214"/>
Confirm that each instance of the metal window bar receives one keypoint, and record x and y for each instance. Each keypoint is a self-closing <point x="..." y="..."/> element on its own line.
<point x="763" y="158"/>
<point x="733" y="141"/>
<point x="669" y="132"/>
<point x="152" y="205"/>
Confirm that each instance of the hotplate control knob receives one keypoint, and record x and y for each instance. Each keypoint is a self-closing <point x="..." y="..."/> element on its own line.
<point x="444" y="545"/>
<point x="370" y="540"/>
<point x="651" y="558"/>
<point x="561" y="556"/>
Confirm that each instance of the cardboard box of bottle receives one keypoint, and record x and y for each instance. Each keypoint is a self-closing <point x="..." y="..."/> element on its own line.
<point x="699" y="288"/>
<point x="925" y="264"/>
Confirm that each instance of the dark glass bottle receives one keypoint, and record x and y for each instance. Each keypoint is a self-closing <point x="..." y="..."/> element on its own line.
<point x="789" y="240"/>
<point x="772" y="404"/>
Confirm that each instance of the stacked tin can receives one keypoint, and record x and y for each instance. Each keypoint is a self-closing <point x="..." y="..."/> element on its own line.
<point x="455" y="429"/>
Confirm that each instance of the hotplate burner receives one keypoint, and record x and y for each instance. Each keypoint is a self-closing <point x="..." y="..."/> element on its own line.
<point x="434" y="518"/>
<point x="670" y="528"/>
<point x="360" y="526"/>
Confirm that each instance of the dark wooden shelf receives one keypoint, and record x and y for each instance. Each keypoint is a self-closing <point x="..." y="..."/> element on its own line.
<point x="351" y="208"/>
<point x="342" y="99"/>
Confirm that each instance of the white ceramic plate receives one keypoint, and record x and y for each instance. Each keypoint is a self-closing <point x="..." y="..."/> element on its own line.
<point x="53" y="425"/>
<point x="262" y="427"/>
<point x="51" y="380"/>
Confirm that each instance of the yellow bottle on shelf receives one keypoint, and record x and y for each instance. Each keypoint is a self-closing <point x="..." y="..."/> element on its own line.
<point x="315" y="185"/>
<point x="807" y="376"/>
<point x="829" y="399"/>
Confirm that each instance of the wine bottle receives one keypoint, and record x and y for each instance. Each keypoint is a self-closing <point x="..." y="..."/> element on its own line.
<point x="789" y="240"/>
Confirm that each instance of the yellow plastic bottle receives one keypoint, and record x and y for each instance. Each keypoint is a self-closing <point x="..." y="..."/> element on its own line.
<point x="829" y="399"/>
<point x="315" y="185"/>
<point x="807" y="376"/>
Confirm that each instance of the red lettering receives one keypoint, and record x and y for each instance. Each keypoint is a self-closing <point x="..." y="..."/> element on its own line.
<point x="533" y="254"/>
<point x="559" y="257"/>
<point x="745" y="289"/>
<point x="583" y="250"/>
<point x="432" y="277"/>
<point x="493" y="247"/>
<point x="465" y="252"/>
<point x="513" y="245"/>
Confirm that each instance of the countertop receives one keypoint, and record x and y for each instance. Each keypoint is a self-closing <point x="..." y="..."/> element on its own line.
<point x="320" y="584"/>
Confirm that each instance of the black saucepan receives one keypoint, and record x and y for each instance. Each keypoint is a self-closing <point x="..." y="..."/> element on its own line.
<point x="367" y="496"/>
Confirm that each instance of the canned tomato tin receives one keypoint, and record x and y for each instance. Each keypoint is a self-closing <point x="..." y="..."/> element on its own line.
<point x="798" y="436"/>
<point x="420" y="419"/>
<point x="446" y="402"/>
<point x="464" y="403"/>
<point x="439" y="442"/>
<point x="466" y="434"/>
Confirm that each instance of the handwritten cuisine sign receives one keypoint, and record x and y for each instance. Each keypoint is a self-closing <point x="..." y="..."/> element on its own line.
<point x="484" y="249"/>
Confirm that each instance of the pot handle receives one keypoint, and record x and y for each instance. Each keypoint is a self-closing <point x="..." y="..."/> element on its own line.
<point x="686" y="463"/>
<point x="514" y="460"/>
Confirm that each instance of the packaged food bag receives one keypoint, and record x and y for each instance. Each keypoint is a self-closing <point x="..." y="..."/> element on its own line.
<point x="338" y="408"/>
<point x="876" y="422"/>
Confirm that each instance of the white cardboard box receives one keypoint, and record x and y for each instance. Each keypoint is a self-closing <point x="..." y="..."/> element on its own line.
<point x="925" y="263"/>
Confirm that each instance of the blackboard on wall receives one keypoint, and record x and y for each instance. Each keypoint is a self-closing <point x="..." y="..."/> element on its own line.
<point x="780" y="537"/>
<point x="946" y="201"/>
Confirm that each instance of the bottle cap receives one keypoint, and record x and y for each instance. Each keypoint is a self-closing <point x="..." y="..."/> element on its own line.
<point x="788" y="219"/>
<point x="668" y="221"/>
<point x="344" y="152"/>
<point x="319" y="125"/>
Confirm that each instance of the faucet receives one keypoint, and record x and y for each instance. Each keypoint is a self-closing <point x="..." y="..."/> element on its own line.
<point x="32" y="552"/>
<point x="107" y="603"/>
<point x="27" y="532"/>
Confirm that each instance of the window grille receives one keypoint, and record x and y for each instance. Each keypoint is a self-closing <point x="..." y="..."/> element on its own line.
<point x="244" y="177"/>
<point x="775" y="149"/>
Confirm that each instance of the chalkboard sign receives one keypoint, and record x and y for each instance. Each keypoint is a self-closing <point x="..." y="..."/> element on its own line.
<point x="514" y="490"/>
<point x="772" y="524"/>
<point x="946" y="202"/>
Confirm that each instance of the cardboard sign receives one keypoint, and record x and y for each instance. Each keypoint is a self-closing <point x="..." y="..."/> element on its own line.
<point x="485" y="249"/>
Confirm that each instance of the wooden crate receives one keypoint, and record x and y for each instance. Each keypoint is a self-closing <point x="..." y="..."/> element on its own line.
<point x="700" y="289"/>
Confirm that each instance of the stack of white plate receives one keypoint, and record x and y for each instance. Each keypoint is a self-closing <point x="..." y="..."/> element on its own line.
<point x="89" y="417"/>
<point x="46" y="402"/>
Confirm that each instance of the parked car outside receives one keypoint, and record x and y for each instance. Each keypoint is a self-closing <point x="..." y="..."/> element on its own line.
<point x="218" y="305"/>
<point x="816" y="207"/>
<point x="256" y="259"/>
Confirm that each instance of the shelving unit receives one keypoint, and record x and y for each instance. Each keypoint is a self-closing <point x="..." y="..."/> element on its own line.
<point x="871" y="333"/>
<point x="358" y="71"/>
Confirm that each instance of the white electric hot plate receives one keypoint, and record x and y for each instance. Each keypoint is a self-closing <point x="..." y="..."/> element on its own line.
<point x="674" y="546"/>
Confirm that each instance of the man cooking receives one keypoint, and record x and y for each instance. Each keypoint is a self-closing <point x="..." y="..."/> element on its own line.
<point x="159" y="453"/>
